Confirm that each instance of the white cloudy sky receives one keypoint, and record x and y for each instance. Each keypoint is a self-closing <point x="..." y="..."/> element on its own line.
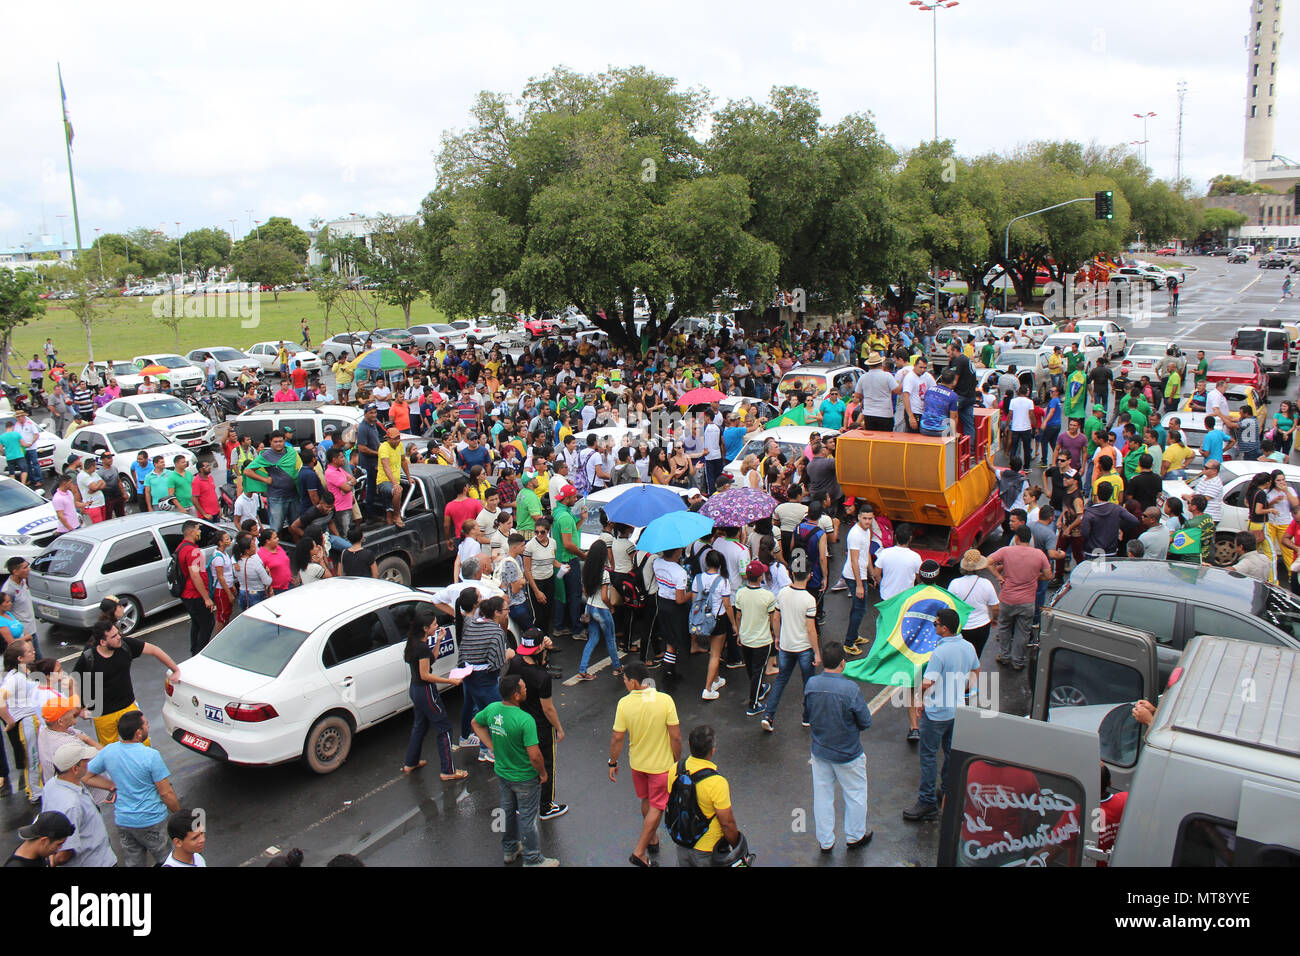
<point x="199" y="113"/>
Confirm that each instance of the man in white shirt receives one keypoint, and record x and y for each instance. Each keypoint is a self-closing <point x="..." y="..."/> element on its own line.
<point x="712" y="455"/>
<point x="857" y="571"/>
<point x="916" y="382"/>
<point x="188" y="836"/>
<point x="877" y="389"/>
<point x="895" y="568"/>
<point x="246" y="506"/>
<point x="1022" y="425"/>
<point x="797" y="641"/>
<point x="1216" y="404"/>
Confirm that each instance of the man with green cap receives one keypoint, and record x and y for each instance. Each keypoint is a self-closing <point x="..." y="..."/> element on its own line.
<point x="528" y="506"/>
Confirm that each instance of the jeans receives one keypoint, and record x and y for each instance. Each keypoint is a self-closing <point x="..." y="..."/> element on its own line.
<point x="371" y="469"/>
<point x="787" y="660"/>
<point x="140" y="843"/>
<point x="201" y="623"/>
<point x="935" y="734"/>
<point x="1047" y="440"/>
<point x="248" y="598"/>
<point x="966" y="417"/>
<point x="343" y="521"/>
<point x="520" y="797"/>
<point x="857" y="612"/>
<point x="477" y="691"/>
<point x="852" y="778"/>
<point x="283" y="512"/>
<point x="573" y="600"/>
<point x="337" y="543"/>
<point x="211" y="382"/>
<point x="429" y="713"/>
<point x="1023" y="439"/>
<point x="602" y="624"/>
<point x="33" y="467"/>
<point x="1039" y="600"/>
<point x="1018" y="618"/>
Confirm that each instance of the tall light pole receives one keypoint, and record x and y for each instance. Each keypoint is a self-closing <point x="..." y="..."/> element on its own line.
<point x="180" y="249"/>
<point x="250" y="219"/>
<point x="1144" y="117"/>
<point x="257" y="228"/>
<point x="933" y="9"/>
<point x="101" y="254"/>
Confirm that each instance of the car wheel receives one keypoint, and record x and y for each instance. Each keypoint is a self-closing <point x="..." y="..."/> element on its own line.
<point x="328" y="358"/>
<point x="128" y="487"/>
<point x="395" y="570"/>
<point x="328" y="744"/>
<point x="1224" y="552"/>
<point x="1067" y="695"/>
<point x="132" y="615"/>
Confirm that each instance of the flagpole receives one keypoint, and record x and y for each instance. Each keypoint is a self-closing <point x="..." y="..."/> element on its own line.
<point x="67" y="142"/>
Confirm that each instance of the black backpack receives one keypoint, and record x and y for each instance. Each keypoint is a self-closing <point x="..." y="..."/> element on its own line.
<point x="175" y="578"/>
<point x="683" y="817"/>
<point x="632" y="589"/>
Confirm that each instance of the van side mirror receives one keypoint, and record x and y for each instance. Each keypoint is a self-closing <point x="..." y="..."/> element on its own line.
<point x="1120" y="736"/>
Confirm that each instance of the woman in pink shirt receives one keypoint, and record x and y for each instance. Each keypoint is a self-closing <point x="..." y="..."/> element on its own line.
<point x="276" y="560"/>
<point x="339" y="482"/>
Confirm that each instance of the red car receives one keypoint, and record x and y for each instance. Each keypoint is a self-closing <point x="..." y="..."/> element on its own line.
<point x="539" y="327"/>
<point x="1167" y="251"/>
<point x="1238" y="369"/>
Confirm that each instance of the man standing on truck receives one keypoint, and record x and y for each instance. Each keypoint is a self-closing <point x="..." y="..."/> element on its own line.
<point x="368" y="442"/>
<point x="876" y="390"/>
<point x="965" y="386"/>
<point x="393" y="464"/>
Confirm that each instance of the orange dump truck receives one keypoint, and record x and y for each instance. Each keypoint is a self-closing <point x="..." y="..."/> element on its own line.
<point x="943" y="489"/>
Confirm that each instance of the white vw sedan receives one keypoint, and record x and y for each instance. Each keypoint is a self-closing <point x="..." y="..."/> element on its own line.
<point x="297" y="676"/>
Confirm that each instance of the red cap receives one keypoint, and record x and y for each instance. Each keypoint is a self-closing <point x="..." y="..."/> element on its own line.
<point x="566" y="491"/>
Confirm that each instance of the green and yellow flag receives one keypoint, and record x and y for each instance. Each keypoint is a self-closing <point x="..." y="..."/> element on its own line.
<point x="905" y="636"/>
<point x="1186" y="542"/>
<point x="793" y="416"/>
<point x="289" y="463"/>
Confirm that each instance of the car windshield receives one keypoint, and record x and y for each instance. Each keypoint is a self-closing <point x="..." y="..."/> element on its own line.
<point x="134" y="439"/>
<point x="16" y="497"/>
<point x="1147" y="351"/>
<point x="172" y="361"/>
<point x="226" y="355"/>
<point x="1280" y="609"/>
<point x="1064" y="341"/>
<point x="165" y="408"/>
<point x="802" y="383"/>
<point x="63" y="558"/>
<point x="252" y="644"/>
<point x="1238" y="366"/>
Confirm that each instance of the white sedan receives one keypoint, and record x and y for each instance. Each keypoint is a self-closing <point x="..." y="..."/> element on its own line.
<point x="230" y="362"/>
<point x="27" y="521"/>
<point x="591" y="528"/>
<point x="176" y="420"/>
<point x="1150" y="357"/>
<point x="264" y="353"/>
<point x="1235" y="476"/>
<point x="124" y="440"/>
<point x="181" y="373"/>
<point x="298" y="675"/>
<point x="1115" y="338"/>
<point x="792" y="439"/>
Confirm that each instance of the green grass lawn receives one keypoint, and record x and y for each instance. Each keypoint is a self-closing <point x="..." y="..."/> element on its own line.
<point x="134" y="330"/>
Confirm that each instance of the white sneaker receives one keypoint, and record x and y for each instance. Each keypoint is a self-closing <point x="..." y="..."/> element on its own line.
<point x="718" y="684"/>
<point x="546" y="861"/>
<point x="470" y="741"/>
<point x="709" y="695"/>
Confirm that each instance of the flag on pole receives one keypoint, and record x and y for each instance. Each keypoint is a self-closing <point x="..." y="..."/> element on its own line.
<point x="67" y="123"/>
<point x="905" y="636"/>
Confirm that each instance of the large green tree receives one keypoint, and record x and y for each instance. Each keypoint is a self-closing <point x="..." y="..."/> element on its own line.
<point x="281" y="231"/>
<point x="266" y="263"/>
<point x="1226" y="184"/>
<point x="20" y="302"/>
<point x="206" y="249"/>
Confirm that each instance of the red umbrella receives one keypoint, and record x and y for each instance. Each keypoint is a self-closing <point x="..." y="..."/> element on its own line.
<point x="701" y="396"/>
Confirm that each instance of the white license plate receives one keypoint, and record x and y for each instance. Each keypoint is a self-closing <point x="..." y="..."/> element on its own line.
<point x="194" y="740"/>
<point x="46" y="462"/>
<point x="48" y="611"/>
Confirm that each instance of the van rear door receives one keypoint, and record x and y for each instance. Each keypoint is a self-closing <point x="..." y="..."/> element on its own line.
<point x="1021" y="793"/>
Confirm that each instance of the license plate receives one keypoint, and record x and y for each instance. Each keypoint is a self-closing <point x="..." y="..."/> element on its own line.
<point x="215" y="714"/>
<point x="193" y="441"/>
<point x="48" y="611"/>
<point x="46" y="462"/>
<point x="198" y="743"/>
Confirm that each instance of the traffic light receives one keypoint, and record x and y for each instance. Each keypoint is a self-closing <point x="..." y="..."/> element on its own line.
<point x="1105" y="204"/>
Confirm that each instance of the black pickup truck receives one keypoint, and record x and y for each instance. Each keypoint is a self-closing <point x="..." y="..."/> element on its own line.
<point x="397" y="550"/>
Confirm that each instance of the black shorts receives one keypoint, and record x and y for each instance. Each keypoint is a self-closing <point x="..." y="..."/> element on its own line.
<point x="722" y="626"/>
<point x="16" y="466"/>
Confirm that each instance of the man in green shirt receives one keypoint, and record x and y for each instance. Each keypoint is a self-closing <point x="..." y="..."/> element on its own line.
<point x="1202" y="369"/>
<point x="1173" y="386"/>
<point x="1135" y="413"/>
<point x="528" y="506"/>
<point x="1134" y="450"/>
<point x="1074" y="359"/>
<point x="988" y="354"/>
<point x="1096" y="423"/>
<point x="158" y="484"/>
<point x="568" y="552"/>
<point x="511" y="735"/>
<point x="182" y="484"/>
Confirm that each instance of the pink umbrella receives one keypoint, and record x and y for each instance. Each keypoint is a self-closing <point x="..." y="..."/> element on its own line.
<point x="701" y="396"/>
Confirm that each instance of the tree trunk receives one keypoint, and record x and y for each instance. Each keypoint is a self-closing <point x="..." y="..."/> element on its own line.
<point x="406" y="311"/>
<point x="90" y="349"/>
<point x="4" y="355"/>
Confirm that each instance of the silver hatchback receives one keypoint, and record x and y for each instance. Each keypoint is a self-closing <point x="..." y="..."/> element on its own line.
<point x="126" y="557"/>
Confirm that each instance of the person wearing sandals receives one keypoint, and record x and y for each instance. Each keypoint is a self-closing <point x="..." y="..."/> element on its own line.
<point x="600" y="620"/>
<point x="529" y="663"/>
<point x="714" y="583"/>
<point x="420" y="654"/>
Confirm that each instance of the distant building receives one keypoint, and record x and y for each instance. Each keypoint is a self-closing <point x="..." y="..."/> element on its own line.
<point x="364" y="227"/>
<point x="1261" y="162"/>
<point x="34" y="255"/>
<point x="1271" y="219"/>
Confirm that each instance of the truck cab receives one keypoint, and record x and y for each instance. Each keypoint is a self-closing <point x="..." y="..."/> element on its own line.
<point x="1214" y="781"/>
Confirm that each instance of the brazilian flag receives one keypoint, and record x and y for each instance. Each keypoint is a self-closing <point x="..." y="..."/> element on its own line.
<point x="289" y="463"/>
<point x="905" y="636"/>
<point x="1076" y="395"/>
<point x="1186" y="544"/>
<point x="792" y="417"/>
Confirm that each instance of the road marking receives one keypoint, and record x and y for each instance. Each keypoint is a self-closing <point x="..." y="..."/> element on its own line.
<point x="148" y="630"/>
<point x="882" y="698"/>
<point x="594" y="669"/>
<point x="1249" y="284"/>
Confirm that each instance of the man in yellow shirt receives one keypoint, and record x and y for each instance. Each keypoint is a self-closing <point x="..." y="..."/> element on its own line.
<point x="650" y="716"/>
<point x="393" y="464"/>
<point x="712" y="793"/>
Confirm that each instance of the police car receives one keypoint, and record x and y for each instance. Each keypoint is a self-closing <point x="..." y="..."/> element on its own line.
<point x="27" y="522"/>
<point x="178" y="422"/>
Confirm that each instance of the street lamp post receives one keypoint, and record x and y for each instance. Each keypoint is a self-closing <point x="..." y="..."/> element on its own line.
<point x="180" y="249"/>
<point x="257" y="228"/>
<point x="1144" y="117"/>
<point x="933" y="9"/>
<point x="250" y="219"/>
<point x="101" y="255"/>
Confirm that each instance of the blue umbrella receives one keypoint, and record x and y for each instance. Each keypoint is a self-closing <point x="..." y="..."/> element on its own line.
<point x="641" y="504"/>
<point x="675" y="530"/>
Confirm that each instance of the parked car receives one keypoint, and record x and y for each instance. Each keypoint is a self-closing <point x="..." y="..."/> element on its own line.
<point x="1136" y="274"/>
<point x="792" y="440"/>
<point x="1237" y="370"/>
<point x="298" y="675"/>
<point x="1089" y="345"/>
<point x="938" y="356"/>
<point x="305" y="419"/>
<point x="126" y="374"/>
<point x="1239" y="255"/>
<point x="184" y="377"/>
<point x="1112" y="334"/>
<point x="264" y="354"/>
<point x="1242" y="400"/>
<point x="126" y="557"/>
<point x="817" y="380"/>
<point x="1151" y="357"/>
<point x="178" y="422"/>
<point x="124" y="440"/>
<point x="424" y="335"/>
<point x="345" y="345"/>
<point x="1275" y="260"/>
<point x="1031" y="368"/>
<point x="591" y="528"/>
<point x="231" y="363"/>
<point x="1235" y="476"/>
<point x="1031" y="328"/>
<point x="27" y="522"/>
<point x="398" y="338"/>
<point x="1166" y="251"/>
<point x="1270" y="346"/>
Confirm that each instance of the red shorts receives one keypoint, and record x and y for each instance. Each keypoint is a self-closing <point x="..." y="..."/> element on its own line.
<point x="96" y="515"/>
<point x="652" y="787"/>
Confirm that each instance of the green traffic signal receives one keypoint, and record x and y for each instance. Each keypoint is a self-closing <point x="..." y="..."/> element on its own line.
<point x="1104" y="203"/>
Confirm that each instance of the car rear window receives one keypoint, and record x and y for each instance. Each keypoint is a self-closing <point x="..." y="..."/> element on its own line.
<point x="252" y="644"/>
<point x="1250" y="339"/>
<point x="1007" y="321"/>
<point x="64" y="558"/>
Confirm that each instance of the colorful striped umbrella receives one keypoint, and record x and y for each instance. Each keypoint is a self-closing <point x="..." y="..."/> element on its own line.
<point x="386" y="360"/>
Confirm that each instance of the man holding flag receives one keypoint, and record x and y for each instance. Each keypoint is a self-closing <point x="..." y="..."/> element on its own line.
<point x="949" y="675"/>
<point x="276" y="468"/>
